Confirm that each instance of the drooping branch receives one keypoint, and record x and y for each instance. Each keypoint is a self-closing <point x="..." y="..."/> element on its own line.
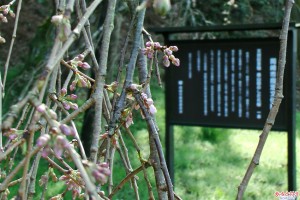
<point x="100" y="78"/>
<point x="276" y="102"/>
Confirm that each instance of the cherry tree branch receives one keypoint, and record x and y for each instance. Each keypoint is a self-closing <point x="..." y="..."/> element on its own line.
<point x="276" y="102"/>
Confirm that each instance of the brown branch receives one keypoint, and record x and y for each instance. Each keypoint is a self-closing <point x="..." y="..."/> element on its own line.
<point x="276" y="102"/>
<point x="128" y="178"/>
<point x="100" y="79"/>
<point x="154" y="135"/>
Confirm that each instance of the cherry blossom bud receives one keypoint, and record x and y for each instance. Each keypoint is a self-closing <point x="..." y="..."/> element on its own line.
<point x="65" y="129"/>
<point x="41" y="108"/>
<point x="66" y="105"/>
<point x="144" y="95"/>
<point x="166" y="61"/>
<point x="152" y="109"/>
<point x="42" y="140"/>
<point x="134" y="86"/>
<point x="63" y="91"/>
<point x="73" y="96"/>
<point x="74" y="106"/>
<point x="57" y="19"/>
<point x="149" y="101"/>
<point x="85" y="66"/>
<point x="172" y="57"/>
<point x="80" y="57"/>
<point x="12" y="136"/>
<point x="176" y="62"/>
<point x="73" y="86"/>
<point x="148" y="44"/>
<point x="45" y="152"/>
<point x="173" y="48"/>
<point x="168" y="52"/>
<point x="157" y="45"/>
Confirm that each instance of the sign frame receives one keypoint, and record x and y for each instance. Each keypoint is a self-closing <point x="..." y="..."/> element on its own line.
<point x="290" y="98"/>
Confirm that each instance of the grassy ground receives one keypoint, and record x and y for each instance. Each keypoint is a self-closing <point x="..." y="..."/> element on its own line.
<point x="213" y="170"/>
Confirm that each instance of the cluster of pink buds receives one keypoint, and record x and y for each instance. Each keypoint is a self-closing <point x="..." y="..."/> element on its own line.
<point x="98" y="172"/>
<point x="78" y="62"/>
<point x="66" y="99"/>
<point x="168" y="57"/>
<point x="73" y="183"/>
<point x="6" y="10"/>
<point x="149" y="104"/>
<point x="101" y="172"/>
<point x="80" y="81"/>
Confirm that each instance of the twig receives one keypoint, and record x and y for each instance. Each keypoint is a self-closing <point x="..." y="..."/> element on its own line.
<point x="76" y="71"/>
<point x="11" y="148"/>
<point x="276" y="102"/>
<point x="14" y="35"/>
<point x="127" y="178"/>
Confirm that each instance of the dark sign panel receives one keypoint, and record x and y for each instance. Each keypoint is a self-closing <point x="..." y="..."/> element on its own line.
<point x="226" y="83"/>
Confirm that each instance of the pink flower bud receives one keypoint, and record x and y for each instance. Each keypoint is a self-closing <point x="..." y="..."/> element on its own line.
<point x="157" y="46"/>
<point x="63" y="91"/>
<point x="74" y="106"/>
<point x="65" y="129"/>
<point x="149" y="101"/>
<point x="173" y="48"/>
<point x="85" y="66"/>
<point x="66" y="105"/>
<point x="148" y="44"/>
<point x="168" y="52"/>
<point x="41" y="108"/>
<point x="172" y="57"/>
<point x="166" y="61"/>
<point x="73" y="96"/>
<point x="12" y="136"/>
<point x="82" y="82"/>
<point x="45" y="152"/>
<point x="133" y="86"/>
<point x="176" y="62"/>
<point x="80" y="57"/>
<point x="152" y="109"/>
<point x="144" y="95"/>
<point x="42" y="140"/>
